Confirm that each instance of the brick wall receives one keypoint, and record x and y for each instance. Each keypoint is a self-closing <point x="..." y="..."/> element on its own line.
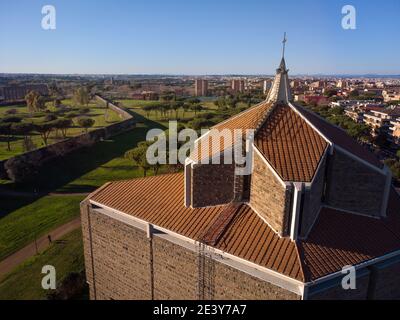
<point x="312" y="201"/>
<point x="354" y="186"/>
<point x="212" y="184"/>
<point x="122" y="256"/>
<point x="120" y="259"/>
<point x="232" y="284"/>
<point x="269" y="197"/>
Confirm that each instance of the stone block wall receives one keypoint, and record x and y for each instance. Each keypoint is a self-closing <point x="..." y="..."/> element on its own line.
<point x="354" y="186"/>
<point x="269" y="197"/>
<point x="386" y="280"/>
<point x="212" y="184"/>
<point x="121" y="262"/>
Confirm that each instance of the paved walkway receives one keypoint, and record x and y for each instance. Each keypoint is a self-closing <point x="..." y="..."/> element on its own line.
<point x="12" y="261"/>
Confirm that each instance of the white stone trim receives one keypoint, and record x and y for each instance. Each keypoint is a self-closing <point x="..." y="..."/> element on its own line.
<point x="240" y="264"/>
<point x="386" y="193"/>
<point x="309" y="123"/>
<point x="296" y="204"/>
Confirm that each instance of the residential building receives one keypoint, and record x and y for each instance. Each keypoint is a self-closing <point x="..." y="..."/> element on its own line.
<point x="380" y="120"/>
<point x="201" y="87"/>
<point x="394" y="131"/>
<point x="355" y="115"/>
<point x="391" y="95"/>
<point x="237" y="85"/>
<point x="266" y="86"/>
<point x="315" y="202"/>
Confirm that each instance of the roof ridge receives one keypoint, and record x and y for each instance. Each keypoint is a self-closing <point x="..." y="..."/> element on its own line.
<point x="299" y="110"/>
<point x="301" y="260"/>
<point x="265" y="118"/>
<point x="101" y="188"/>
<point x="318" y="116"/>
<point x="240" y="113"/>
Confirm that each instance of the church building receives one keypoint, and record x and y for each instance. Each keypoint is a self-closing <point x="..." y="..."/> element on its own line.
<point x="316" y="207"/>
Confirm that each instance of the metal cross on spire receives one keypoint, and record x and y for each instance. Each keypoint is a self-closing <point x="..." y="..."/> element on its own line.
<point x="284" y="45"/>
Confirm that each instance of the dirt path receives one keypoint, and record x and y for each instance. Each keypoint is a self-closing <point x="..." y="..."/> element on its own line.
<point x="12" y="261"/>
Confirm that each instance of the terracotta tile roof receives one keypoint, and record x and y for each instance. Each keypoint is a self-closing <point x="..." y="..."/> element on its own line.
<point x="248" y="119"/>
<point x="338" y="239"/>
<point x="250" y="238"/>
<point x="159" y="200"/>
<point x="339" y="137"/>
<point x="290" y="145"/>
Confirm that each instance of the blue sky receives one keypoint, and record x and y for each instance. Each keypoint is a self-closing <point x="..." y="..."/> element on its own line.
<point x="199" y="37"/>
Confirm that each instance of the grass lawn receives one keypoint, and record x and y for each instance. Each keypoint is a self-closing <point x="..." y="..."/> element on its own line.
<point x="102" y="117"/>
<point x="24" y="282"/>
<point x="18" y="228"/>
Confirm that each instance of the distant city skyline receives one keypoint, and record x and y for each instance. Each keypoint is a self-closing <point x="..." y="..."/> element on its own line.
<point x="199" y="38"/>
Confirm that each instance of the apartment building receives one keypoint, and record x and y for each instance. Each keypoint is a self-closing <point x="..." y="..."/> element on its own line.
<point x="201" y="88"/>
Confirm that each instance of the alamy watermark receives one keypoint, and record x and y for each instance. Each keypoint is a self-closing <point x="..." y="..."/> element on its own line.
<point x="214" y="147"/>
<point x="349" y="21"/>
<point x="349" y="280"/>
<point x="49" y="280"/>
<point x="49" y="18"/>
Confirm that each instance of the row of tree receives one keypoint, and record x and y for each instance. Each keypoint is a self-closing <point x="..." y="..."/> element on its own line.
<point x="168" y="109"/>
<point x="12" y="127"/>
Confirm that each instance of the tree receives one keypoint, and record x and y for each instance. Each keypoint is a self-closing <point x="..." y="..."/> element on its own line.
<point x="24" y="129"/>
<point x="86" y="123"/>
<point x="44" y="130"/>
<point x="81" y="96"/>
<point x="35" y="102"/>
<point x="176" y="105"/>
<point x="63" y="124"/>
<point x="330" y="93"/>
<point x="398" y="153"/>
<point x="138" y="157"/>
<point x="381" y="140"/>
<point x="30" y="98"/>
<point x="148" y="109"/>
<point x="354" y="94"/>
<point x="185" y="107"/>
<point x="5" y="130"/>
<point x="196" y="108"/>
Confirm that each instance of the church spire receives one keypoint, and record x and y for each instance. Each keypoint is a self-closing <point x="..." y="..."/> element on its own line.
<point x="284" y="45"/>
<point x="280" y="90"/>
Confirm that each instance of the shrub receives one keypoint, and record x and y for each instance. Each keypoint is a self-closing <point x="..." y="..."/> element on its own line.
<point x="71" y="114"/>
<point x="11" y="111"/>
<point x="84" y="110"/>
<point x="86" y="122"/>
<point x="12" y="119"/>
<point x="50" y="117"/>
